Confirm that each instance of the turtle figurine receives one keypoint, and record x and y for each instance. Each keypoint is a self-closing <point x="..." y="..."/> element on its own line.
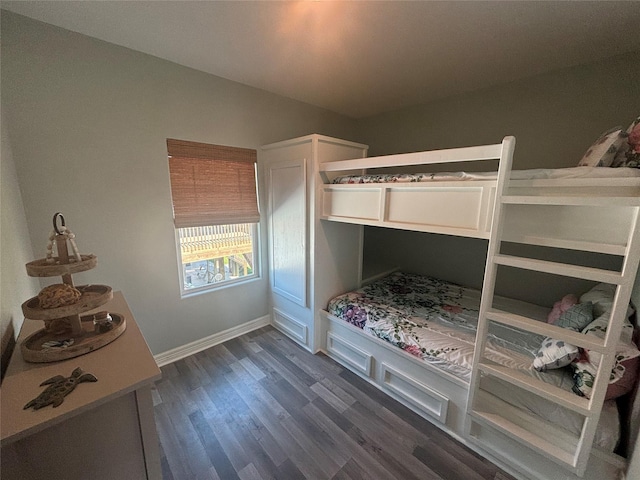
<point x="59" y="387"/>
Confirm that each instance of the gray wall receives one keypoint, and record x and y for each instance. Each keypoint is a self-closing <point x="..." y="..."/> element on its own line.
<point x="88" y="120"/>
<point x="88" y="123"/>
<point x="15" y="285"/>
<point x="555" y="117"/>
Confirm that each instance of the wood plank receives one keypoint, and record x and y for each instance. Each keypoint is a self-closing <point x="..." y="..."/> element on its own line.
<point x="296" y="378"/>
<point x="250" y="472"/>
<point x="309" y="444"/>
<point x="288" y="471"/>
<point x="182" y="394"/>
<point x="337" y="391"/>
<point x="272" y="421"/>
<point x="327" y="444"/>
<point x="247" y="430"/>
<point x="352" y="471"/>
<point x="166" y="469"/>
<point x="271" y="372"/>
<point x="329" y="397"/>
<point x="187" y="457"/>
<point x="287" y="396"/>
<point x="332" y="414"/>
<point x="232" y="447"/>
<point x="249" y="344"/>
<point x="212" y="446"/>
<point x="444" y="464"/>
<point x="262" y="407"/>
<point x="221" y="356"/>
<point x="197" y="369"/>
<point x="326" y="417"/>
<point x="392" y="437"/>
<point x="236" y="348"/>
<point x="384" y="457"/>
<point x="169" y="370"/>
<point x="288" y="363"/>
<point x="252" y="368"/>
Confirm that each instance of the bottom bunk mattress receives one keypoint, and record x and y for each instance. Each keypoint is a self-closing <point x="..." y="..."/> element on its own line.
<point x="436" y="321"/>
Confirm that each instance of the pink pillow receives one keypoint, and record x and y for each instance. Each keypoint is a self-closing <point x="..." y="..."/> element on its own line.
<point x="561" y="306"/>
<point x="627" y="380"/>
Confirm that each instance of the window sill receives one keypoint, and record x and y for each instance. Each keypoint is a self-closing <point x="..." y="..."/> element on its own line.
<point x="212" y="289"/>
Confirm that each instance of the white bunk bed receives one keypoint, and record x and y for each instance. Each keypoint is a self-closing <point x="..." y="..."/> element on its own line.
<point x="589" y="213"/>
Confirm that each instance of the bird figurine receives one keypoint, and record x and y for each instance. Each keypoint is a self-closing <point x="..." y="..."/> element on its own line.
<point x="59" y="387"/>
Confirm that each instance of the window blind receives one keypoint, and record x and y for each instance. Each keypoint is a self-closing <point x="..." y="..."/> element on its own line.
<point x="212" y="184"/>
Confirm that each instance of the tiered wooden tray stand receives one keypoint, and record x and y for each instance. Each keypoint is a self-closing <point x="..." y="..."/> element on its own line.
<point x="86" y="333"/>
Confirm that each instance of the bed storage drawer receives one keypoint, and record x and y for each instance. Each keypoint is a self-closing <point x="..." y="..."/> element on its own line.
<point x="441" y="206"/>
<point x="420" y="395"/>
<point x="347" y="352"/>
<point x="354" y="203"/>
<point x="463" y="208"/>
<point x="427" y="390"/>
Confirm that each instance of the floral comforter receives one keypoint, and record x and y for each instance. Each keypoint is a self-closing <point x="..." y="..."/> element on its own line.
<point x="431" y="319"/>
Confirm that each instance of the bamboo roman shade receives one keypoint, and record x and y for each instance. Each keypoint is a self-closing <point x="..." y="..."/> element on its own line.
<point x="212" y="184"/>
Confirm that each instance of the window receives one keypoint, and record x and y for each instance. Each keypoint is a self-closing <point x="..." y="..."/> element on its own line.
<point x="215" y="212"/>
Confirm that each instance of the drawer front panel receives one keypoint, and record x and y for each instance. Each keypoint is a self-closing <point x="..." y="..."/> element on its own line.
<point x="350" y="354"/>
<point x="290" y="326"/>
<point x="421" y="396"/>
<point x="443" y="207"/>
<point x="354" y="203"/>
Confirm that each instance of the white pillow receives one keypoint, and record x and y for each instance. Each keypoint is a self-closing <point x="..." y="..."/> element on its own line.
<point x="604" y="149"/>
<point x="554" y="354"/>
<point x="602" y="298"/>
<point x="625" y="157"/>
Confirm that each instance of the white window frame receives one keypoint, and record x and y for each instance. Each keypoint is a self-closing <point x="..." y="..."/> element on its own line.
<point x="256" y="275"/>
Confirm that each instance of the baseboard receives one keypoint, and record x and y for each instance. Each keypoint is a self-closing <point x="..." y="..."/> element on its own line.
<point x="179" y="353"/>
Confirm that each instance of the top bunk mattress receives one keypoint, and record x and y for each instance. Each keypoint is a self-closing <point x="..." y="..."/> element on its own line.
<point x="533" y="174"/>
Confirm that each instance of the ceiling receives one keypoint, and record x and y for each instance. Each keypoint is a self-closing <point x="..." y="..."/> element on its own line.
<point x="357" y="58"/>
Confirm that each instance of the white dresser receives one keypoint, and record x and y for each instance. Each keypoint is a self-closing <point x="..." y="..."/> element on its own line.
<point x="102" y="430"/>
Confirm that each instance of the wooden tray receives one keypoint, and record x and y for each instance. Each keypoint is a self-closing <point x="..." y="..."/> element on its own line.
<point x="92" y="297"/>
<point x="40" y="268"/>
<point x="33" y="350"/>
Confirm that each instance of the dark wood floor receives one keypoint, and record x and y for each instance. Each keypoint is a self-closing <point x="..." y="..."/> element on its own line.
<point x="260" y="407"/>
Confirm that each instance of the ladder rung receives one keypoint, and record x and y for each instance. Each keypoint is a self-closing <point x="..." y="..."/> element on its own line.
<point x="597" y="247"/>
<point x="576" y="271"/>
<point x="524" y="436"/>
<point x="590" y="342"/>
<point x="555" y="394"/>
<point x="586" y="200"/>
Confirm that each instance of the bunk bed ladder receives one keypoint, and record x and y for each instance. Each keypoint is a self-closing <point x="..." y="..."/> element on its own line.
<point x="485" y="410"/>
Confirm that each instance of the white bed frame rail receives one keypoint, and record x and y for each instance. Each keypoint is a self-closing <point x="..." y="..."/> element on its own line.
<point x="456" y="208"/>
<point x="432" y="157"/>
